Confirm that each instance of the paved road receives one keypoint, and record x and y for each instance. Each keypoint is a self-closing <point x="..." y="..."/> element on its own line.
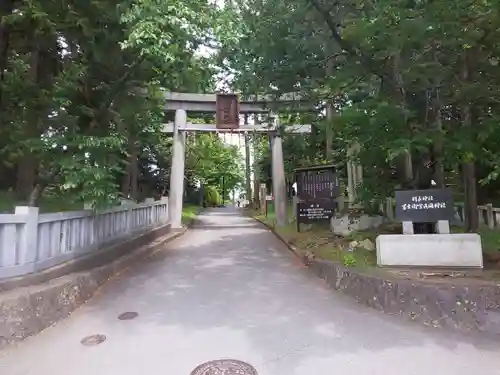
<point x="229" y="289"/>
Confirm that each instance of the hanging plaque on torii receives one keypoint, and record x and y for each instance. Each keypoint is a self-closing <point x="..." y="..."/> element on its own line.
<point x="227" y="114"/>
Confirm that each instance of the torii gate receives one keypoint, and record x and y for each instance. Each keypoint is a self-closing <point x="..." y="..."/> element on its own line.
<point x="227" y="108"/>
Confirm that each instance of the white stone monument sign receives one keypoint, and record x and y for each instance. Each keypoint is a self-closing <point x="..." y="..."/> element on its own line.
<point x="438" y="249"/>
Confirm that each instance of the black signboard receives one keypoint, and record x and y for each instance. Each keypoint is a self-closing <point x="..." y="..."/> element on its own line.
<point x="317" y="210"/>
<point x="319" y="182"/>
<point x="424" y="206"/>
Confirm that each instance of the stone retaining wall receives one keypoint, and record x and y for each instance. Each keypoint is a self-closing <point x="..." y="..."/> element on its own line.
<point x="457" y="307"/>
<point x="466" y="308"/>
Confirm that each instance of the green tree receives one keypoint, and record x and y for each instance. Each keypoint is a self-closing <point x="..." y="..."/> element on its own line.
<point x="213" y="163"/>
<point x="81" y="93"/>
<point x="410" y="81"/>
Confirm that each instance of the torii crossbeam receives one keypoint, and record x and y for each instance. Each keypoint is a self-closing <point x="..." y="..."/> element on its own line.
<point x="251" y="104"/>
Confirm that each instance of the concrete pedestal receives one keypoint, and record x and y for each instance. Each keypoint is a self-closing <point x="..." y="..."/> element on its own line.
<point x="408" y="227"/>
<point x="443" y="227"/>
<point x="462" y="250"/>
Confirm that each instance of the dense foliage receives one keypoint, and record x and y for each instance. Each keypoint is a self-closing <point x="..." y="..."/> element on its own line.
<point x="81" y="93"/>
<point x="213" y="165"/>
<point x="414" y="82"/>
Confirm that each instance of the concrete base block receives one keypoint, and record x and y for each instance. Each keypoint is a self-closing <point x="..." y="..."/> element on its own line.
<point x="408" y="227"/>
<point x="430" y="250"/>
<point x="443" y="227"/>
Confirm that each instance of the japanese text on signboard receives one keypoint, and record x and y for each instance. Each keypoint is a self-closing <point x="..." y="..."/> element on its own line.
<point x="317" y="183"/>
<point x="315" y="210"/>
<point x="424" y="205"/>
<point x="424" y="202"/>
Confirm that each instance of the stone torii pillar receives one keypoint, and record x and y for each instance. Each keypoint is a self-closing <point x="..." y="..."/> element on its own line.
<point x="177" y="170"/>
<point x="248" y="185"/>
<point x="278" y="176"/>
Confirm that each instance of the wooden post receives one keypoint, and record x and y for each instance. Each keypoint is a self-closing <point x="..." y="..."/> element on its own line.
<point x="297" y="217"/>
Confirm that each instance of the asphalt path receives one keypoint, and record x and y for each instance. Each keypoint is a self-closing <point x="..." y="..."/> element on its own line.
<point x="229" y="289"/>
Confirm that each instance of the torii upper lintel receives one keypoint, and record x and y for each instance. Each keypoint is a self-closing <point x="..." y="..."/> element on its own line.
<point x="254" y="104"/>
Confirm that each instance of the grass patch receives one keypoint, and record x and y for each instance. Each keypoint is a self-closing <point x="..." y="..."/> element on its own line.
<point x="489" y="237"/>
<point x="491" y="240"/>
<point x="321" y="242"/>
<point x="189" y="212"/>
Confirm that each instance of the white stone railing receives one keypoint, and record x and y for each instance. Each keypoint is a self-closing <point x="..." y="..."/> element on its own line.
<point x="488" y="215"/>
<point x="31" y="242"/>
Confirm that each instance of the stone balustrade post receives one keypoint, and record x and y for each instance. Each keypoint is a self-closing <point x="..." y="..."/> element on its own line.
<point x="490" y="216"/>
<point x="29" y="234"/>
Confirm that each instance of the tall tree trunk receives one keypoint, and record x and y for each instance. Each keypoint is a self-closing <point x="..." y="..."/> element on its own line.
<point x="329" y="132"/>
<point x="313" y="142"/>
<point x="26" y="172"/>
<point x="26" y="175"/>
<point x="134" y="173"/>
<point x="43" y="180"/>
<point x="6" y="8"/>
<point x="468" y="164"/>
<point x="436" y="149"/>
<point x="36" y="195"/>
<point x="437" y="144"/>
<point x="44" y="66"/>
<point x="437" y="153"/>
<point x="470" y="193"/>
<point x="329" y="116"/>
<point x="392" y="86"/>
<point x="130" y="179"/>
<point x="126" y="181"/>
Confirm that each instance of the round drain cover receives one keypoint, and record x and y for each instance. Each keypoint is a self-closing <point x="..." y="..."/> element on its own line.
<point x="224" y="367"/>
<point x="128" y="315"/>
<point x="93" y="340"/>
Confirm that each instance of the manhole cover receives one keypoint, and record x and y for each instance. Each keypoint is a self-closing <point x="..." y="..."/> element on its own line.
<point x="93" y="340"/>
<point x="224" y="367"/>
<point x="128" y="315"/>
